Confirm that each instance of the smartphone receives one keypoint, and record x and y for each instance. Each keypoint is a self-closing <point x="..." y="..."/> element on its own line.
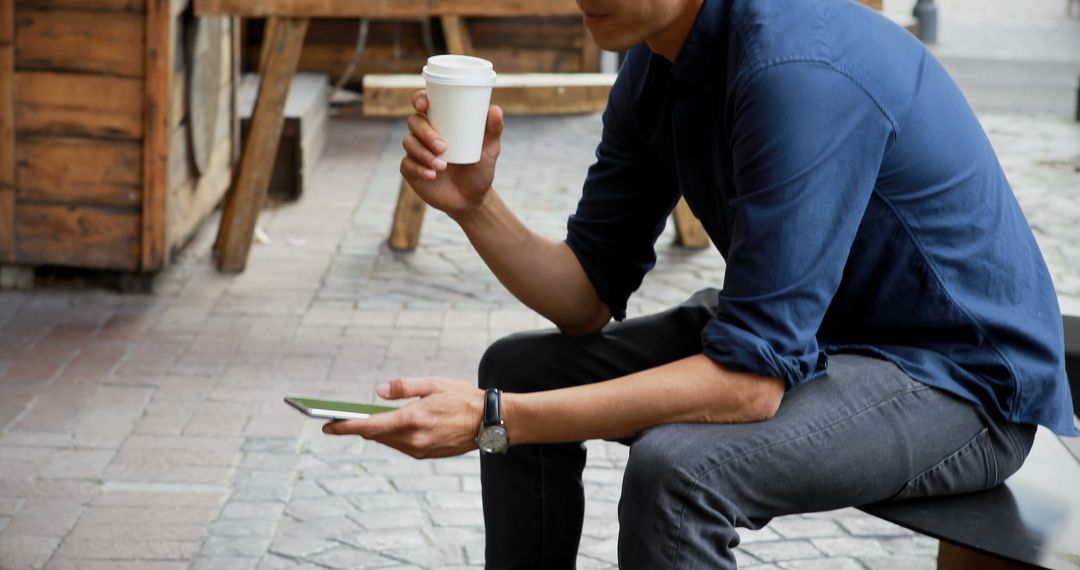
<point x="331" y="410"/>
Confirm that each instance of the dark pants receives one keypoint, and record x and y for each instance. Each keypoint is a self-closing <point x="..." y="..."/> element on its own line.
<point x="865" y="432"/>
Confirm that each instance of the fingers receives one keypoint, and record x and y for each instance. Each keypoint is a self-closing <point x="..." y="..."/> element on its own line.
<point x="415" y="150"/>
<point x="420" y="101"/>
<point x="413" y="170"/>
<point x="423" y="131"/>
<point x="406" y="388"/>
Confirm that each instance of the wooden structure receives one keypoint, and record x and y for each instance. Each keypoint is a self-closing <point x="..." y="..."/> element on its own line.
<point x="279" y="57"/>
<point x="96" y="165"/>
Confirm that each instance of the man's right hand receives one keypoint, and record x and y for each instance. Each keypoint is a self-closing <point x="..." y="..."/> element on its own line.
<point x="455" y="189"/>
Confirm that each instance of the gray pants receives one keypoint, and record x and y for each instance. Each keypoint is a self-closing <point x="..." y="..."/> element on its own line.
<point x="863" y="433"/>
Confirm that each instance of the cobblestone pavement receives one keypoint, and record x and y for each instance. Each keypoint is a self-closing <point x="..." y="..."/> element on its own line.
<point x="147" y="431"/>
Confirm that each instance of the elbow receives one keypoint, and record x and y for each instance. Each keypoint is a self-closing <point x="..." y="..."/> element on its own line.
<point x="585" y="327"/>
<point x="767" y="398"/>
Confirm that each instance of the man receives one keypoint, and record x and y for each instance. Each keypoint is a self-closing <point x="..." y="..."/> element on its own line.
<point x="886" y="327"/>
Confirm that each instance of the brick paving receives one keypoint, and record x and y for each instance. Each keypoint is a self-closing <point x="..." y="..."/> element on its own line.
<point x="147" y="431"/>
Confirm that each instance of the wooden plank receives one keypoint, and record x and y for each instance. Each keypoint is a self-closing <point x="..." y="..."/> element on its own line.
<point x="79" y="236"/>
<point x="457" y="35"/>
<point x="385" y="9"/>
<point x="246" y="198"/>
<point x="134" y="6"/>
<point x="408" y="219"/>
<point x="192" y="200"/>
<point x="89" y="42"/>
<point x="159" y="64"/>
<point x="688" y="229"/>
<point x="519" y="94"/>
<point x="7" y="130"/>
<point x="110" y="107"/>
<point x="79" y="170"/>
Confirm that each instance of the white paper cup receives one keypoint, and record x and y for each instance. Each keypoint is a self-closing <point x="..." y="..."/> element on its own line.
<point x="459" y="92"/>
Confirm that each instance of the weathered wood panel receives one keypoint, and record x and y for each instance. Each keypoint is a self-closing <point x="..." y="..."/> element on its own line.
<point x="384" y="9"/>
<point x="75" y="104"/>
<point x="191" y="201"/>
<point x="91" y="42"/>
<point x="79" y="170"/>
<point x="159" y="64"/>
<point x="86" y="5"/>
<point x="7" y="130"/>
<point x="80" y="236"/>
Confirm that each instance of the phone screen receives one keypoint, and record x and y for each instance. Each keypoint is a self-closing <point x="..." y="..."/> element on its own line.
<point x="335" y="410"/>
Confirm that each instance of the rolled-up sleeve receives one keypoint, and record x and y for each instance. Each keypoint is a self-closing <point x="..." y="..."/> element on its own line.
<point x="807" y="145"/>
<point x="625" y="200"/>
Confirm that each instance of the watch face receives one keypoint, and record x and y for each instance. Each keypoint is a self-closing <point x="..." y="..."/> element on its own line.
<point x="493" y="439"/>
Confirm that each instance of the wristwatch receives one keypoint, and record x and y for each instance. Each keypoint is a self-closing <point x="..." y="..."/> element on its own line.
<point x="493" y="437"/>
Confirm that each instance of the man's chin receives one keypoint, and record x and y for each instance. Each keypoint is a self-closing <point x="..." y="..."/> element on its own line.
<point x="612" y="42"/>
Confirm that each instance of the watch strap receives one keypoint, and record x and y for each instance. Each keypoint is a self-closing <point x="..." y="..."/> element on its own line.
<point x="492" y="407"/>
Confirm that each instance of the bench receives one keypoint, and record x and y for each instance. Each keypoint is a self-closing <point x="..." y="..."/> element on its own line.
<point x="1033" y="520"/>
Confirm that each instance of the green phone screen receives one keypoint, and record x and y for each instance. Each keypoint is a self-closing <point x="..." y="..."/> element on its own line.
<point x="342" y="406"/>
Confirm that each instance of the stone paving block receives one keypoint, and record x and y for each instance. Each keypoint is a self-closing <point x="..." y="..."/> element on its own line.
<point x="301" y="546"/>
<point x="130" y="495"/>
<point x="220" y="546"/>
<point x="244" y="528"/>
<point x="453" y="500"/>
<point x="80" y="491"/>
<point x="355" y="485"/>
<point x="45" y="517"/>
<point x="791" y="527"/>
<point x="74" y="564"/>
<point x="77" y="464"/>
<point x="24" y="552"/>
<point x="899" y="562"/>
<point x="385" y="539"/>
<point x="457" y="517"/>
<point x="779" y="551"/>
<point x="831" y="563"/>
<point x="915" y="545"/>
<point x="408" y="484"/>
<point x="766" y="534"/>
<point x="387" y="501"/>
<point x="344" y="558"/>
<point x="398" y="518"/>
<point x="225" y="563"/>
<point x="172" y="523"/>
<point x="99" y="549"/>
<point x="848" y="546"/>
<point x="22" y="462"/>
<point x="318" y="508"/>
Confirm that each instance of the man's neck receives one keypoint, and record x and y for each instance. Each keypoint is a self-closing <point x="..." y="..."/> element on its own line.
<point x="669" y="41"/>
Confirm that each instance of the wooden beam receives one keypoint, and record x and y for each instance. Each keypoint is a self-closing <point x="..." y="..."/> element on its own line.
<point x="242" y="204"/>
<point x="7" y="130"/>
<point x="955" y="557"/>
<point x="590" y="52"/>
<point x="408" y="219"/>
<point x="457" y="36"/>
<point x="688" y="228"/>
<point x="517" y="94"/>
<point x="384" y="8"/>
<point x="159" y="61"/>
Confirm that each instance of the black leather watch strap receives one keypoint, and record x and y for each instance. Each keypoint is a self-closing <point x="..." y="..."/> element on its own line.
<point x="492" y="407"/>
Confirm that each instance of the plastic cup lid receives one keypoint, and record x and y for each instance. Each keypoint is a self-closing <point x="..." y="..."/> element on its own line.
<point x="459" y="70"/>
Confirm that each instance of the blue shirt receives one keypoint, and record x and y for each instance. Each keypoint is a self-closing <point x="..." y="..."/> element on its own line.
<point x="851" y="190"/>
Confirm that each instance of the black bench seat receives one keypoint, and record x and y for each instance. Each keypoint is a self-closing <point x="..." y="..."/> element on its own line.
<point x="1033" y="520"/>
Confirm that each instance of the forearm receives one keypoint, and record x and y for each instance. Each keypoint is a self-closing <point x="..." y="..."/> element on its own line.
<point x="691" y="390"/>
<point x="541" y="272"/>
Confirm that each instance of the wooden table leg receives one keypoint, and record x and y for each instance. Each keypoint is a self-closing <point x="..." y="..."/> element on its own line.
<point x="409" y="215"/>
<point x="408" y="219"/>
<point x="282" y="44"/>
<point x="688" y="228"/>
<point x="954" y="557"/>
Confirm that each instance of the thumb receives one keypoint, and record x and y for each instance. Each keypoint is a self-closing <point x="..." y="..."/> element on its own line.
<point x="401" y="388"/>
<point x="494" y="127"/>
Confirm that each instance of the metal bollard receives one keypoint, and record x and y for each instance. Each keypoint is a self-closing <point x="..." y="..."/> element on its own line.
<point x="926" y="15"/>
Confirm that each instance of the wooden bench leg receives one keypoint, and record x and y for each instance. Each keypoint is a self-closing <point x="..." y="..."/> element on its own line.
<point x="688" y="228"/>
<point x="281" y="54"/>
<point x="954" y="557"/>
<point x="408" y="219"/>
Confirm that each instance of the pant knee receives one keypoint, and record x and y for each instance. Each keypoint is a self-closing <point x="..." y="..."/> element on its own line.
<point x="510" y="363"/>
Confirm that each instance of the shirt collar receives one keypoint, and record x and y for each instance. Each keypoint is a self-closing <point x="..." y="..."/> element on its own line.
<point x="703" y="47"/>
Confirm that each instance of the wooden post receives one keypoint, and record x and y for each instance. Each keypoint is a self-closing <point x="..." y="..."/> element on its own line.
<point x="159" y="59"/>
<point x="688" y="229"/>
<point x="246" y="198"/>
<point x="458" y="40"/>
<point x="408" y="219"/>
<point x="7" y="130"/>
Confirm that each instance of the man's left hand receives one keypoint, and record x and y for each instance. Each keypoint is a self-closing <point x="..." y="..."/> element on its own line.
<point x="442" y="423"/>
